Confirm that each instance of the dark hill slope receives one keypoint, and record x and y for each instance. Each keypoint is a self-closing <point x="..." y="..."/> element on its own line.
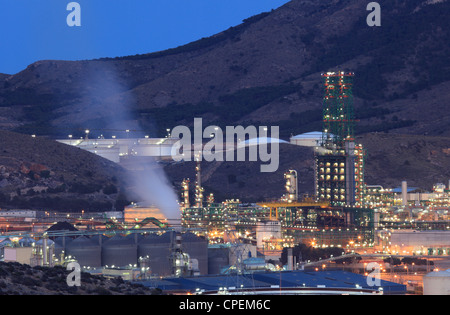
<point x="43" y="174"/>
<point x="18" y="279"/>
<point x="421" y="160"/>
<point x="265" y="70"/>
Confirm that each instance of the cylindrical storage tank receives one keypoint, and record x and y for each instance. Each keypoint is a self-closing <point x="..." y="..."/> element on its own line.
<point x="135" y="237"/>
<point x="27" y="242"/>
<point x="404" y="193"/>
<point x="254" y="264"/>
<point x="62" y="242"/>
<point x="437" y="283"/>
<point x="119" y="251"/>
<point x="197" y="248"/>
<point x="218" y="258"/>
<point x="99" y="239"/>
<point x="86" y="252"/>
<point x="158" y="249"/>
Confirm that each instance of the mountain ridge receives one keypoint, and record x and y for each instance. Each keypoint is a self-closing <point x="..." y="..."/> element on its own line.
<point x="290" y="45"/>
<point x="265" y="71"/>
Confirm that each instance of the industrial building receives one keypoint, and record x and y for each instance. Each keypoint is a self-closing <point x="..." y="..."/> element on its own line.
<point x="437" y="283"/>
<point x="121" y="150"/>
<point x="137" y="212"/>
<point x="420" y="242"/>
<point x="339" y="160"/>
<point x="105" y="249"/>
<point x="225" y="258"/>
<point x="338" y="214"/>
<point x="279" y="224"/>
<point x="287" y="283"/>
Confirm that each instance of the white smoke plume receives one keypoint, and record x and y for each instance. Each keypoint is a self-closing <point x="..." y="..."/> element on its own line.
<point x="151" y="185"/>
<point x="110" y="97"/>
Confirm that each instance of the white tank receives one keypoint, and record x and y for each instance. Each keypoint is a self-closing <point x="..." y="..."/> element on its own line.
<point x="437" y="283"/>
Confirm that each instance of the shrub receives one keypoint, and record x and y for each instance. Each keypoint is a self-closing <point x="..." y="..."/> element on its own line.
<point x="102" y="291"/>
<point x="110" y="189"/>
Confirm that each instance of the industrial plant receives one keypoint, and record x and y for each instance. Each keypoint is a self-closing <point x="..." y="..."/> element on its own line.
<point x="252" y="246"/>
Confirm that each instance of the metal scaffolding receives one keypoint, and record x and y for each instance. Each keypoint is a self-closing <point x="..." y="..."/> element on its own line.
<point x="301" y="221"/>
<point x="338" y="109"/>
<point x="340" y="162"/>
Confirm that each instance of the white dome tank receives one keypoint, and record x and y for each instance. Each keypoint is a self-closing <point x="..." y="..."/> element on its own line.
<point x="437" y="283"/>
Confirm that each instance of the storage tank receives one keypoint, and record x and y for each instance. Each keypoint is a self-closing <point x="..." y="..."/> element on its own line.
<point x="197" y="248"/>
<point x="404" y="193"/>
<point x="158" y="249"/>
<point x="119" y="251"/>
<point x="99" y="239"/>
<point x="61" y="244"/>
<point x="437" y="283"/>
<point x="85" y="251"/>
<point x="27" y="242"/>
<point x="135" y="237"/>
<point x="255" y="264"/>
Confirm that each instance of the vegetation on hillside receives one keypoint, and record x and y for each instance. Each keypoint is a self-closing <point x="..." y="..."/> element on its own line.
<point x="37" y="173"/>
<point x="230" y="34"/>
<point x="18" y="279"/>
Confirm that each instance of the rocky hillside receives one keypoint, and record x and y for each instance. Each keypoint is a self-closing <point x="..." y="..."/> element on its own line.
<point x="421" y="160"/>
<point x="264" y="71"/>
<point x="17" y="279"/>
<point x="40" y="173"/>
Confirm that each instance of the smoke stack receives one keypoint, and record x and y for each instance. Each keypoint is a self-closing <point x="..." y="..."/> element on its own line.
<point x="178" y="239"/>
<point x="198" y="185"/>
<point x="404" y="193"/>
<point x="185" y="193"/>
<point x="44" y="250"/>
<point x="290" y="260"/>
<point x="291" y="185"/>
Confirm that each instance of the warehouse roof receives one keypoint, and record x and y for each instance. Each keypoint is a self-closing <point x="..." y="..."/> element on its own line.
<point x="334" y="279"/>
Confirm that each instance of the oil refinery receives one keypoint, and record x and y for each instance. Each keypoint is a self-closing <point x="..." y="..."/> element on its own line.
<point x="405" y="230"/>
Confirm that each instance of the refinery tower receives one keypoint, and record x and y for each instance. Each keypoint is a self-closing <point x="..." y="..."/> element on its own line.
<point x="339" y="160"/>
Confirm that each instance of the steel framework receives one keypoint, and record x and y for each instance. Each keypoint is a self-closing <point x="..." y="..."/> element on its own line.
<point x="338" y="109"/>
<point x="340" y="166"/>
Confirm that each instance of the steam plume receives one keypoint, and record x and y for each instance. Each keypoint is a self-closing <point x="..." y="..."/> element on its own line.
<point x="110" y="97"/>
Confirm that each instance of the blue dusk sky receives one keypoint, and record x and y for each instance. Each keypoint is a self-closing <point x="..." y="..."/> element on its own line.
<point x="32" y="30"/>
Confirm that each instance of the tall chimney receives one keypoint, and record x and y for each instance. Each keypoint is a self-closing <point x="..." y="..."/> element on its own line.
<point x="185" y="193"/>
<point x="44" y="250"/>
<point x="404" y="193"/>
<point x="289" y="259"/>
